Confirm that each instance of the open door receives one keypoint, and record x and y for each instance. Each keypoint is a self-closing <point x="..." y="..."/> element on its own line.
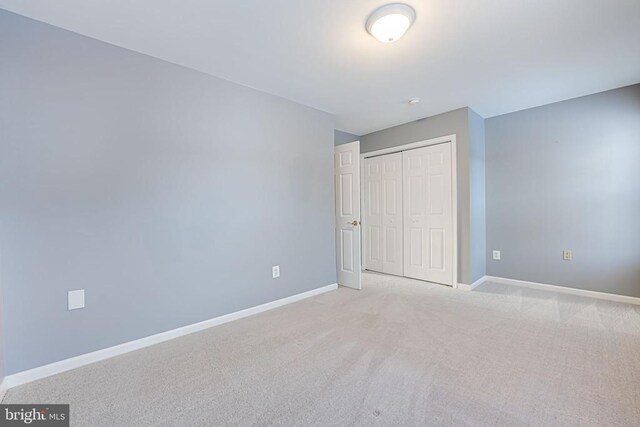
<point x="347" y="183"/>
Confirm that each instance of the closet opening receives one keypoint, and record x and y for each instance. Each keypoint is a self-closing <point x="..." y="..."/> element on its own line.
<point x="408" y="201"/>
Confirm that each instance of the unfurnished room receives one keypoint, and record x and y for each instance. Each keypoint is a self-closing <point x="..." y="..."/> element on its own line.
<point x="319" y="213"/>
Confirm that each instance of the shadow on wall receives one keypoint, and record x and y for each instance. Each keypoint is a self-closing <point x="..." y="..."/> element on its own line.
<point x="340" y="137"/>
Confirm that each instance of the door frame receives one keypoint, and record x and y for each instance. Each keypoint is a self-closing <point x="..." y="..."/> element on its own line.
<point x="454" y="189"/>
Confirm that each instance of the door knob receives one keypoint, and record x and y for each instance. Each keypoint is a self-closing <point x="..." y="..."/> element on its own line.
<point x="354" y="223"/>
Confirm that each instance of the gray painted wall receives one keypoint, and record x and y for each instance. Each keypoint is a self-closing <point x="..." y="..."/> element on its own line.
<point x="2" y="324"/>
<point x="477" y="215"/>
<point x="453" y="122"/>
<point x="567" y="176"/>
<point x="344" y="137"/>
<point x="165" y="193"/>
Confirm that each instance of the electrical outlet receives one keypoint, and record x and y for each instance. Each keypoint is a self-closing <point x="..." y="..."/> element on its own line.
<point x="566" y="255"/>
<point x="275" y="271"/>
<point x="75" y="299"/>
<point x="496" y="255"/>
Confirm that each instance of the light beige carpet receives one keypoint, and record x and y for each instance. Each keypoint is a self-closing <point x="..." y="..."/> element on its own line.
<point x="399" y="352"/>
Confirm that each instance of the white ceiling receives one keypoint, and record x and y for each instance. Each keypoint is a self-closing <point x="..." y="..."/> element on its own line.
<point x="495" y="56"/>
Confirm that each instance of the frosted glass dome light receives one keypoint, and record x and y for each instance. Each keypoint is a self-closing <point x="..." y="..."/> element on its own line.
<point x="388" y="23"/>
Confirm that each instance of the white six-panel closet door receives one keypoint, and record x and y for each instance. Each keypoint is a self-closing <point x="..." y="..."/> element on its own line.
<point x="428" y="216"/>
<point x="383" y="214"/>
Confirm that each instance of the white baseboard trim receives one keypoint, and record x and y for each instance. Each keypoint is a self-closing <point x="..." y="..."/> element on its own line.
<point x="565" y="290"/>
<point x="3" y="388"/>
<point x="465" y="287"/>
<point x="96" y="356"/>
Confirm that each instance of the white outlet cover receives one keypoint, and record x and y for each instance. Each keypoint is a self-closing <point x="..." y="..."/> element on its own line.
<point x="275" y="271"/>
<point x="75" y="299"/>
<point x="496" y="255"/>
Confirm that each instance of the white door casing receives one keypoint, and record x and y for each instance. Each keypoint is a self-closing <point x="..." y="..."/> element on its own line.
<point x="383" y="214"/>
<point x="428" y="214"/>
<point x="347" y="203"/>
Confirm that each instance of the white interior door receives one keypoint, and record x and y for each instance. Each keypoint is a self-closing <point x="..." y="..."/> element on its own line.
<point x="383" y="214"/>
<point x="428" y="214"/>
<point x="347" y="184"/>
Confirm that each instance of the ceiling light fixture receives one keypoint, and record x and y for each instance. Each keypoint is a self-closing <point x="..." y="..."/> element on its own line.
<point x="388" y="23"/>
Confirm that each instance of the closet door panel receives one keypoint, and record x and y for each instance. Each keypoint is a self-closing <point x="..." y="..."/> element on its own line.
<point x="428" y="215"/>
<point x="383" y="214"/>
<point x="373" y="214"/>
<point x="392" y="215"/>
